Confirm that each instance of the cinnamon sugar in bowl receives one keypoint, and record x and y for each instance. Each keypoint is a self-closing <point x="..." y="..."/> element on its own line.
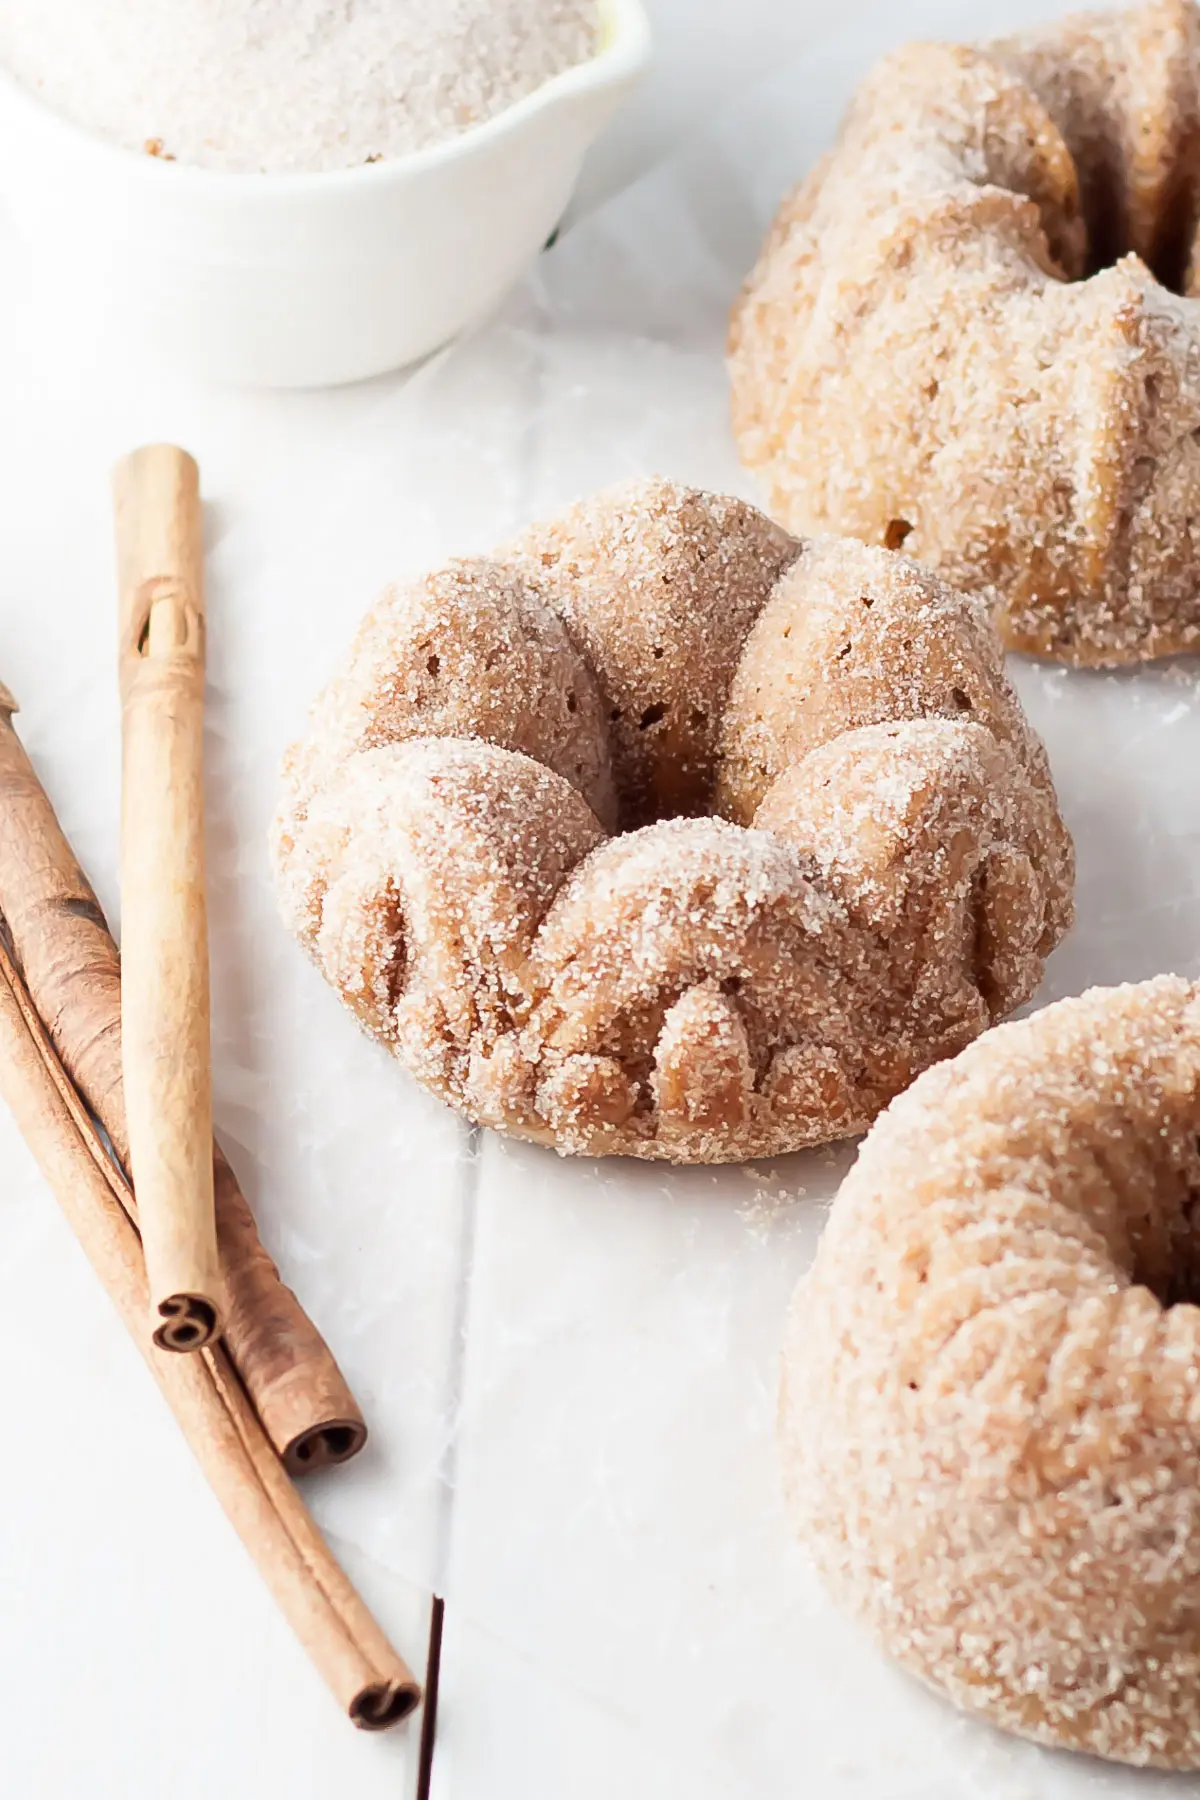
<point x="309" y="276"/>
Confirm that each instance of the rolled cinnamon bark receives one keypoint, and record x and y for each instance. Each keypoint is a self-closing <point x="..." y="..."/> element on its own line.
<point x="165" y="1030"/>
<point x="70" y="965"/>
<point x="369" y="1679"/>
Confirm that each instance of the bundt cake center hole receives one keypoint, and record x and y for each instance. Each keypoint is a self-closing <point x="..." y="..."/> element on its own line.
<point x="1165" y="1244"/>
<point x="1163" y="239"/>
<point x="1178" y="1282"/>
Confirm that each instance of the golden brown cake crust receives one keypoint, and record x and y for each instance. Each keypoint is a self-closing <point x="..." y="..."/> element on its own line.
<point x="664" y="833"/>
<point x="991" y="1405"/>
<point x="958" y="336"/>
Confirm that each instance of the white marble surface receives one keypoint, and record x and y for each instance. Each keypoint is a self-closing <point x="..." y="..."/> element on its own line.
<point x="569" y="1368"/>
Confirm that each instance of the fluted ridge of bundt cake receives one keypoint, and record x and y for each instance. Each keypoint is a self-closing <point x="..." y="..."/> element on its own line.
<point x="662" y="832"/>
<point x="969" y="307"/>
<point x="990" y="1416"/>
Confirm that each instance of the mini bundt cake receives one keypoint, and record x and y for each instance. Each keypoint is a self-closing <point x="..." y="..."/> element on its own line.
<point x="991" y="1399"/>
<point x="973" y="306"/>
<point x="663" y="833"/>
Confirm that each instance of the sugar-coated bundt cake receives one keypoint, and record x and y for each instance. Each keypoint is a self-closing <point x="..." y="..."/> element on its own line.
<point x="663" y="833"/>
<point x="973" y="307"/>
<point x="991" y="1400"/>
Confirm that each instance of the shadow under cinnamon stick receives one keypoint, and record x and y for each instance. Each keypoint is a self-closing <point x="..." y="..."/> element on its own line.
<point x="71" y="967"/>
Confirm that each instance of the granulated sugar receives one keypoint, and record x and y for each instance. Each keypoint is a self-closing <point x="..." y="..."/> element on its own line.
<point x="265" y="85"/>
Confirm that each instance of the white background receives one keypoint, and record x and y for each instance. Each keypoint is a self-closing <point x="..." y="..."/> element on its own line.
<point x="569" y="1368"/>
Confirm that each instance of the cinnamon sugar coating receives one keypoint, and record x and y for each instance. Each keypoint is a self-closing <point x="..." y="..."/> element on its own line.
<point x="990" y="1415"/>
<point x="629" y="574"/>
<point x="471" y="651"/>
<point x="616" y="850"/>
<point x="974" y="307"/>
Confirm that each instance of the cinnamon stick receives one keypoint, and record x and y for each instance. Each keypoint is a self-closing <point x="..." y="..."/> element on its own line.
<point x="368" y="1678"/>
<point x="164" y="924"/>
<point x="70" y="964"/>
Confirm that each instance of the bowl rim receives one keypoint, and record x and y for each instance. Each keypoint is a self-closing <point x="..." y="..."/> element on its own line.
<point x="624" y="52"/>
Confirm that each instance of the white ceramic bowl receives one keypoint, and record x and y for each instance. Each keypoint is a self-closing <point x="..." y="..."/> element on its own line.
<point x="299" y="280"/>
